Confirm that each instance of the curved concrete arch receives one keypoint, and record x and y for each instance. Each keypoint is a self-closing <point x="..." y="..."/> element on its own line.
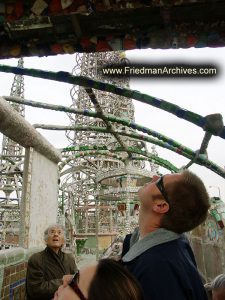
<point x="74" y="169"/>
<point x="68" y="159"/>
<point x="160" y="161"/>
<point x="108" y="87"/>
<point x="180" y="148"/>
<point x="202" y="161"/>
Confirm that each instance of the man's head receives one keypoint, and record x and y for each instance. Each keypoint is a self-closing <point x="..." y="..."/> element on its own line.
<point x="217" y="287"/>
<point x="54" y="237"/>
<point x="177" y="202"/>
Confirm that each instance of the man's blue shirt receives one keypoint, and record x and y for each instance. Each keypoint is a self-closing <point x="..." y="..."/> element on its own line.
<point x="167" y="271"/>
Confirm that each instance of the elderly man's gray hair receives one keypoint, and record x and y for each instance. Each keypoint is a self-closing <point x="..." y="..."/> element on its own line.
<point x="218" y="282"/>
<point x="46" y="232"/>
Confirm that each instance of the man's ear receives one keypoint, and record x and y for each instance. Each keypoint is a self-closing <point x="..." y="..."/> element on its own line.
<point x="160" y="206"/>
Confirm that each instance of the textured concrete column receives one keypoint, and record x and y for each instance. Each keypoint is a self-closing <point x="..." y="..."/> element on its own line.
<point x="111" y="220"/>
<point x="127" y="221"/>
<point x="97" y="221"/>
<point x="40" y="182"/>
<point x="39" y="198"/>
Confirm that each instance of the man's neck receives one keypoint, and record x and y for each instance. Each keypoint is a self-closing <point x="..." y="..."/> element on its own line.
<point x="148" y="222"/>
<point x="147" y="226"/>
<point x="56" y="250"/>
<point x="146" y="230"/>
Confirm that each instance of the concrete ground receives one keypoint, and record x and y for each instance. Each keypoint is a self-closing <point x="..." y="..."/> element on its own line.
<point x="85" y="259"/>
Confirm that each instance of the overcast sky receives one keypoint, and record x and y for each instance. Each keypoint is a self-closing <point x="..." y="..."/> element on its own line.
<point x="202" y="96"/>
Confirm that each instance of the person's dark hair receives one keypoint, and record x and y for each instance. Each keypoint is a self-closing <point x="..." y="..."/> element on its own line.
<point x="112" y="281"/>
<point x="189" y="203"/>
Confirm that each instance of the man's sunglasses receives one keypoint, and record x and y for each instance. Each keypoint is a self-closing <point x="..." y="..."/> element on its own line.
<point x="160" y="186"/>
<point x="74" y="285"/>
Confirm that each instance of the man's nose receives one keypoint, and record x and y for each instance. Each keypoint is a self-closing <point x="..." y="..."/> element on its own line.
<point x="154" y="178"/>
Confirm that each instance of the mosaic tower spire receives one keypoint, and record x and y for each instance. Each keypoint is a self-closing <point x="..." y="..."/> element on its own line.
<point x="100" y="189"/>
<point x="11" y="166"/>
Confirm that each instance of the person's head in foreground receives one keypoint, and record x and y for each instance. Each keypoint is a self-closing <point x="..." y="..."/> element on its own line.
<point x="106" y="280"/>
<point x="54" y="237"/>
<point x="216" y="288"/>
<point x="177" y="202"/>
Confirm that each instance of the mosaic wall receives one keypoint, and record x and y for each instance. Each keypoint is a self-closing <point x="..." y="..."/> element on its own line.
<point x="13" y="286"/>
<point x="13" y="265"/>
<point x="18" y="9"/>
<point x="208" y="242"/>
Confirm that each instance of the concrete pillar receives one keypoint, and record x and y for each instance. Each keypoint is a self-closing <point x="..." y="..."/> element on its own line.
<point x="40" y="181"/>
<point x="97" y="221"/>
<point x="127" y="222"/>
<point x="86" y="216"/>
<point x="111" y="219"/>
<point x="39" y="198"/>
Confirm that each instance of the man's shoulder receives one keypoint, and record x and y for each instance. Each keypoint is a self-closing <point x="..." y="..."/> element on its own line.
<point x="153" y="254"/>
<point x="158" y="254"/>
<point x="68" y="256"/>
<point x="36" y="256"/>
<point x="166" y="254"/>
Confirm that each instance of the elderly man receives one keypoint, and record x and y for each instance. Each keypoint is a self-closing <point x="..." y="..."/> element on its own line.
<point x="158" y="254"/>
<point x="46" y="269"/>
<point x="216" y="289"/>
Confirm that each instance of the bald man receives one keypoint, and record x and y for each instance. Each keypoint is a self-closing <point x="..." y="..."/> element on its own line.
<point x="158" y="254"/>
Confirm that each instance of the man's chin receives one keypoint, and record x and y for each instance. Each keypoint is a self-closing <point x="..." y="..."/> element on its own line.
<point x="55" y="246"/>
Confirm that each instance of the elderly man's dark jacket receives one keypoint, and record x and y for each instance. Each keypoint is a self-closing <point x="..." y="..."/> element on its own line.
<point x="45" y="271"/>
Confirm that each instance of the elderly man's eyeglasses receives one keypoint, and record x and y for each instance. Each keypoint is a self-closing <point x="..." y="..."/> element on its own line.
<point x="160" y="186"/>
<point x="74" y="285"/>
<point x="53" y="232"/>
